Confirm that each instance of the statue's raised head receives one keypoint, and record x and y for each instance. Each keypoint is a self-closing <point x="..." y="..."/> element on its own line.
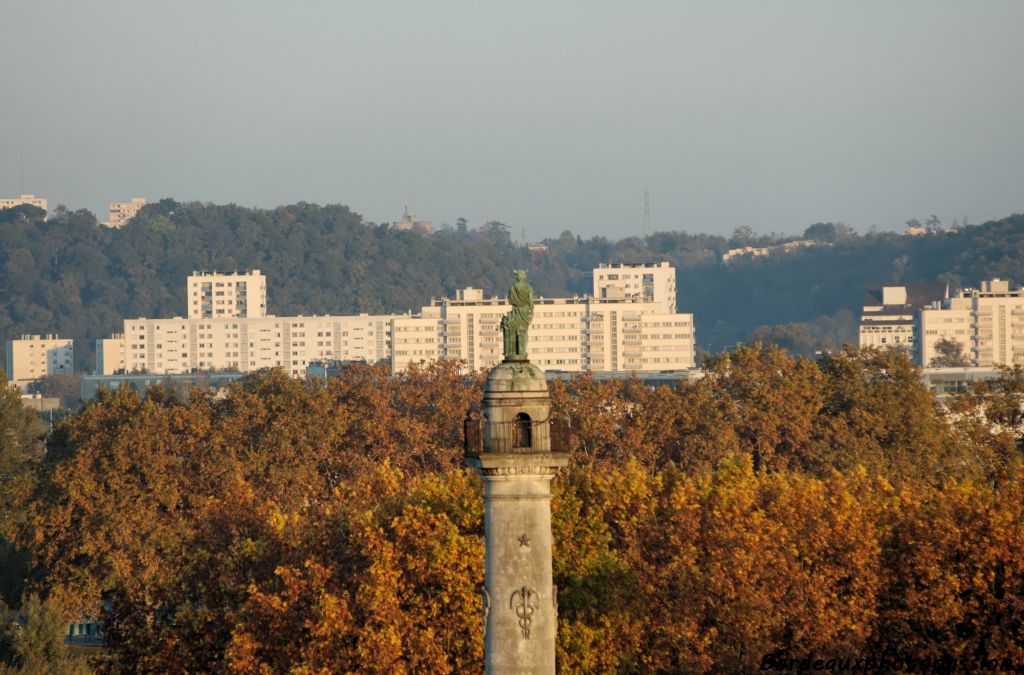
<point x="520" y="275"/>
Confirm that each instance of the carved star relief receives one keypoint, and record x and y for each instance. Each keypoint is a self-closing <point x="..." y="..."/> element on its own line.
<point x="524" y="541"/>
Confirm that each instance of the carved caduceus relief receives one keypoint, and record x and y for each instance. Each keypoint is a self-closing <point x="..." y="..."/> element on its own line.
<point x="525" y="607"/>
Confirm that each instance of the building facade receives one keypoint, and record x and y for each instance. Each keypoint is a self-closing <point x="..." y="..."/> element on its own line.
<point x="110" y="355"/>
<point x="216" y="296"/>
<point x="988" y="323"/>
<point x="409" y="223"/>
<point x="31" y="357"/>
<point x="627" y="327"/>
<point x="632" y="328"/>
<point x="31" y="200"/>
<point x="122" y="212"/>
<point x="181" y="345"/>
<point x="889" y="316"/>
<point x="649" y="282"/>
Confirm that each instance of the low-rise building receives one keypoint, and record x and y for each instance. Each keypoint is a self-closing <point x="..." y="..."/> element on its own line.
<point x="944" y="382"/>
<point x="122" y="212"/>
<point x="889" y="316"/>
<point x="180" y="383"/>
<point x="409" y="223"/>
<point x="751" y="251"/>
<point x="31" y="357"/>
<point x="760" y="252"/>
<point x="31" y="200"/>
<point x="40" y="403"/>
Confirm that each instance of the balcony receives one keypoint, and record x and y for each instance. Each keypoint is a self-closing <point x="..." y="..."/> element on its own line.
<point x="521" y="437"/>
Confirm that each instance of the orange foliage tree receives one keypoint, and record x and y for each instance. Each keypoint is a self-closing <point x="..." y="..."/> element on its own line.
<point x="777" y="506"/>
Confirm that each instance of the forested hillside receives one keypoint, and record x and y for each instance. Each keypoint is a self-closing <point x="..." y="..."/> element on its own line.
<point x="71" y="276"/>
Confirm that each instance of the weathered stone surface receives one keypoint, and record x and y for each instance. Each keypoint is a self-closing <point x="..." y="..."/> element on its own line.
<point x="520" y="604"/>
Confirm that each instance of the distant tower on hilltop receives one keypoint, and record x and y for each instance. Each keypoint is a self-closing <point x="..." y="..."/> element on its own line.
<point x="514" y="443"/>
<point x="409" y="222"/>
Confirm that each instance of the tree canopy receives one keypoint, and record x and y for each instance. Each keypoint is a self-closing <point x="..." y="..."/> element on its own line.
<point x="778" y="505"/>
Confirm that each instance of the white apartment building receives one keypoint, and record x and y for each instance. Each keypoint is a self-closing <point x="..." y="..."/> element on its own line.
<point x="889" y="315"/>
<point x="182" y="345"/>
<point x="988" y="322"/>
<point x="23" y="199"/>
<point x="630" y="325"/>
<point x="650" y="282"/>
<point x="215" y="296"/>
<point x="31" y="357"/>
<point x="630" y="329"/>
<point x="122" y="212"/>
<point x="110" y="355"/>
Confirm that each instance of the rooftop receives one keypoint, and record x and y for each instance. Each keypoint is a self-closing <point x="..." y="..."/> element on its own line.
<point x="603" y="266"/>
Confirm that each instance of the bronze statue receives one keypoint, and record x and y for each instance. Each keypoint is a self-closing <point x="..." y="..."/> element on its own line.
<point x="515" y="324"/>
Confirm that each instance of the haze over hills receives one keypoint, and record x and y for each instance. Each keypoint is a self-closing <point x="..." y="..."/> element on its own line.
<point x="69" y="276"/>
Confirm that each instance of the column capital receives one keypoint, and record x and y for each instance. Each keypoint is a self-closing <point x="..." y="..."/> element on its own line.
<point x="517" y="464"/>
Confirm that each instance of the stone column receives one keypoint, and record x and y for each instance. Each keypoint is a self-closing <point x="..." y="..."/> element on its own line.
<point x="520" y="603"/>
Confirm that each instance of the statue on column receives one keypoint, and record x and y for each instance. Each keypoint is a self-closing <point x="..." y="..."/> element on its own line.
<point x="515" y="324"/>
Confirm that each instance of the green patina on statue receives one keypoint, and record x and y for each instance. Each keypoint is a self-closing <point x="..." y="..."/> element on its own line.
<point x="516" y="323"/>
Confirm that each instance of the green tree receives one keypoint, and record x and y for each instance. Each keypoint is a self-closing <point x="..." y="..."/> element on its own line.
<point x="821" y="232"/>
<point x="34" y="644"/>
<point x="496" y="233"/>
<point x="794" y="338"/>
<point x="21" y="448"/>
<point x="949" y="354"/>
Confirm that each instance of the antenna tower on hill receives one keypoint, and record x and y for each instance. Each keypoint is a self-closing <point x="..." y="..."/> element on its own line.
<point x="647" y="213"/>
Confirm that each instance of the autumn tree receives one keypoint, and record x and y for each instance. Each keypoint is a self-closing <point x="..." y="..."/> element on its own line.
<point x="770" y="399"/>
<point x="777" y="505"/>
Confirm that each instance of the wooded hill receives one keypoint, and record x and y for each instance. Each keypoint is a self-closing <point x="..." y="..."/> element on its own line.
<point x="71" y="276"/>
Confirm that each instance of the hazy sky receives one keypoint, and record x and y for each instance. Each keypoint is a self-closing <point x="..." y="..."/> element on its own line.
<point x="546" y="115"/>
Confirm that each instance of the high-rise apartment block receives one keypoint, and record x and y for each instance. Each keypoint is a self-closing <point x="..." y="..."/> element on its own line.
<point x="31" y="200"/>
<point x="122" y="212"/>
<point x="31" y="357"/>
<point x="648" y="282"/>
<point x="988" y="323"/>
<point x="632" y="327"/>
<point x="215" y="296"/>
